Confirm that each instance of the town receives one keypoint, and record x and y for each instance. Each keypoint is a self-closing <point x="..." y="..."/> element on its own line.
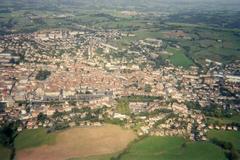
<point x="61" y="78"/>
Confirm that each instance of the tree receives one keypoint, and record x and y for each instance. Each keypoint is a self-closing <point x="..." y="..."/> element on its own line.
<point x="2" y="106"/>
<point x="184" y="145"/>
<point x="12" y="60"/>
<point x="147" y="88"/>
<point x="159" y="62"/>
<point x="193" y="105"/>
<point x="42" y="117"/>
<point x="8" y="133"/>
<point x="222" y="144"/>
<point x="233" y="155"/>
<point x="43" y="75"/>
<point x="57" y="114"/>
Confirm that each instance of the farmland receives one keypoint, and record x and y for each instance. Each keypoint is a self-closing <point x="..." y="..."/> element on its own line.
<point x="200" y="39"/>
<point x="73" y="143"/>
<point x="75" y="74"/>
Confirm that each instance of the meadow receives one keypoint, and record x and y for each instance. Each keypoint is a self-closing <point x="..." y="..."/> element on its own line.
<point x="179" y="58"/>
<point x="34" y="138"/>
<point x="227" y="136"/>
<point x="172" y="148"/>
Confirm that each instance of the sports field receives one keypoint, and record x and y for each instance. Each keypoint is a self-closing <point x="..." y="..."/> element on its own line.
<point x="74" y="143"/>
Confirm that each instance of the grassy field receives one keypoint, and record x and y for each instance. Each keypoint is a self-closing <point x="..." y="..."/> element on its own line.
<point x="122" y="24"/>
<point x="4" y="153"/>
<point x="179" y="58"/>
<point x="235" y="119"/>
<point x="76" y="143"/>
<point x="139" y="35"/>
<point x="172" y="148"/>
<point x="123" y="106"/>
<point x="213" y="44"/>
<point x="34" y="138"/>
<point x="101" y="157"/>
<point x="228" y="136"/>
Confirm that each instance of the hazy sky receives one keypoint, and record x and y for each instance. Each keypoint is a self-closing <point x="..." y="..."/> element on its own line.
<point x="143" y="4"/>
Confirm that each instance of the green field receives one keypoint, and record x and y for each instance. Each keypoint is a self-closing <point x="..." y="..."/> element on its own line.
<point x="102" y="157"/>
<point x="123" y="106"/>
<point x="233" y="119"/>
<point x="4" y="153"/>
<point x="122" y="24"/>
<point x="227" y="136"/>
<point x="172" y="148"/>
<point x="219" y="45"/>
<point x="33" y="138"/>
<point x="140" y="34"/>
<point x="179" y="58"/>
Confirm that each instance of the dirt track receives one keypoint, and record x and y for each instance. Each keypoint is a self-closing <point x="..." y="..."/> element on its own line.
<point x="81" y="142"/>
